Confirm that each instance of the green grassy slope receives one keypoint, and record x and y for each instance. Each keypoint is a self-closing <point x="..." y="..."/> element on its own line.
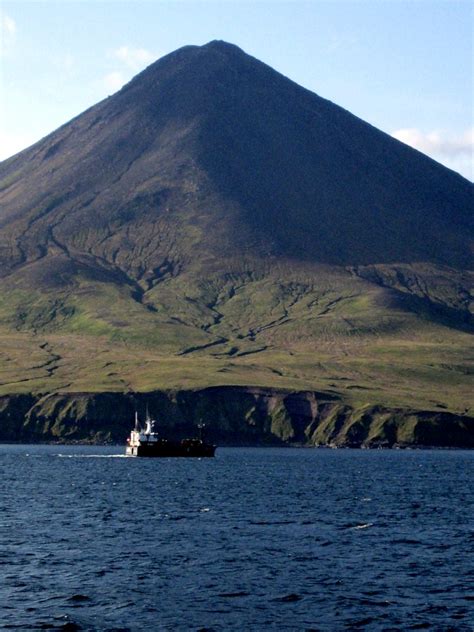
<point x="313" y="327"/>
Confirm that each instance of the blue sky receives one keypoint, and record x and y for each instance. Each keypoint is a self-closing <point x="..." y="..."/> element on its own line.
<point x="405" y="67"/>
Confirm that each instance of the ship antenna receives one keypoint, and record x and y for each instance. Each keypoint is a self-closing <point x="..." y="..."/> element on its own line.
<point x="147" y="413"/>
<point x="136" y="420"/>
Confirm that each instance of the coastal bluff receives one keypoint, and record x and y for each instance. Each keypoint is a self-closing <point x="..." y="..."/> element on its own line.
<point x="233" y="415"/>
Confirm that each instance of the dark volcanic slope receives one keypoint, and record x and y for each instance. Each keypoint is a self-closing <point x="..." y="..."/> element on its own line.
<point x="210" y="153"/>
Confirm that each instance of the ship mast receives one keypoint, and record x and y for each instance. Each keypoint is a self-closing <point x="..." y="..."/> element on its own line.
<point x="149" y="423"/>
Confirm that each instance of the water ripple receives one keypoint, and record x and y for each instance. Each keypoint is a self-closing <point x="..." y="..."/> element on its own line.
<point x="254" y="539"/>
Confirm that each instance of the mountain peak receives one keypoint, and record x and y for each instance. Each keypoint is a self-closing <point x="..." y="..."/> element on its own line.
<point x="224" y="46"/>
<point x="189" y="65"/>
<point x="247" y="160"/>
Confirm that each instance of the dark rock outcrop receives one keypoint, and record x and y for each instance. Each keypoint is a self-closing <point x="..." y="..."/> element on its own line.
<point x="233" y="416"/>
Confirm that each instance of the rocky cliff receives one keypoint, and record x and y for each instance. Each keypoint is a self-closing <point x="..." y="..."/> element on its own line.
<point x="233" y="416"/>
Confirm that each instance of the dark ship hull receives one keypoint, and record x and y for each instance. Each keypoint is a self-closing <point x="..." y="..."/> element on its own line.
<point x="163" y="449"/>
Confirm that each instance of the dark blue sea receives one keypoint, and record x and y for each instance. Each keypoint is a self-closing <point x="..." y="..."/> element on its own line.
<point x="255" y="539"/>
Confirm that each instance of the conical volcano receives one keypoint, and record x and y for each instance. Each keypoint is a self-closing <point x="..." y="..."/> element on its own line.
<point x="243" y="161"/>
<point x="241" y="230"/>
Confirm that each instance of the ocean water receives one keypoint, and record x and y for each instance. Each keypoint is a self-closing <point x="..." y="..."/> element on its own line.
<point x="255" y="539"/>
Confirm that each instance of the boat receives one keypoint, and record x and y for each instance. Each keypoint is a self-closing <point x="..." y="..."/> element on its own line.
<point x="147" y="442"/>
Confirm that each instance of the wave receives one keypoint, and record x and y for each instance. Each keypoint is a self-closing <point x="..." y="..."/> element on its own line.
<point x="92" y="456"/>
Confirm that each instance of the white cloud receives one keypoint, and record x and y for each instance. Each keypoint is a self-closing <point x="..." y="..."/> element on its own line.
<point x="11" y="144"/>
<point x="7" y="33"/>
<point x="456" y="151"/>
<point x="340" y="43"/>
<point x="133" y="58"/>
<point x="66" y="62"/>
<point x="114" y="81"/>
<point x="437" y="142"/>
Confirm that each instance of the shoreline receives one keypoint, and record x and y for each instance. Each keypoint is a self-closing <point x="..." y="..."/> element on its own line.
<point x="233" y="416"/>
<point x="288" y="446"/>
